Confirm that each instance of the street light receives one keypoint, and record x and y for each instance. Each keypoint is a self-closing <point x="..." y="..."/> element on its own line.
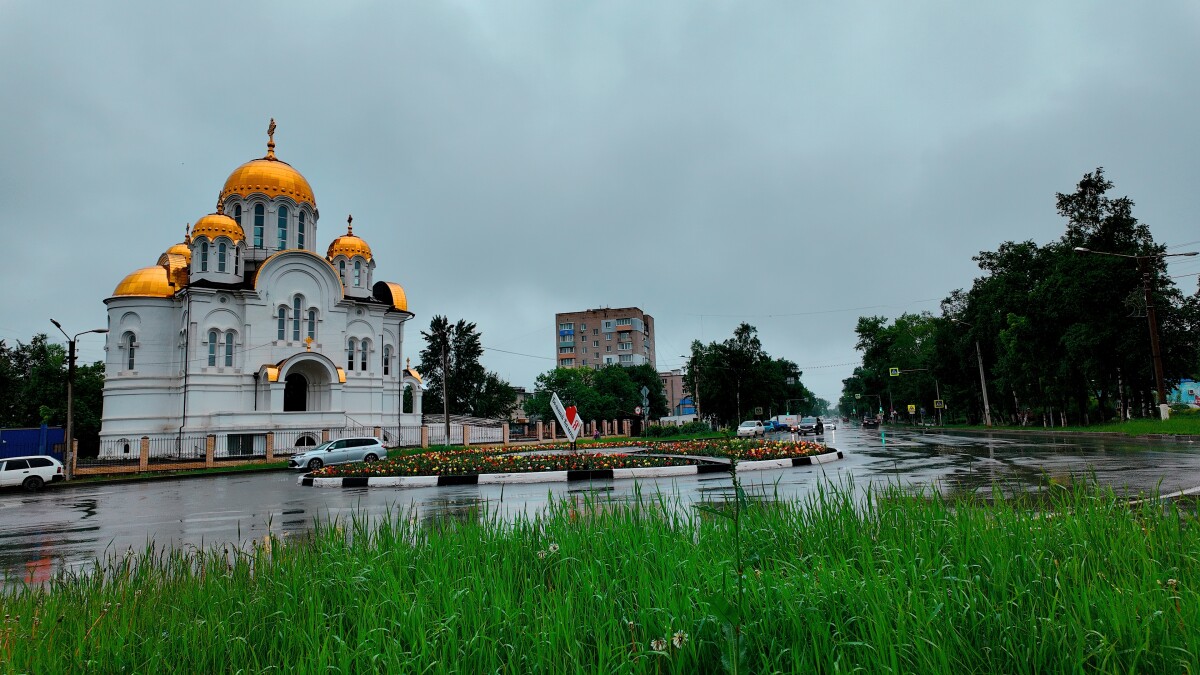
<point x="987" y="410"/>
<point x="1155" y="353"/>
<point x="68" y="453"/>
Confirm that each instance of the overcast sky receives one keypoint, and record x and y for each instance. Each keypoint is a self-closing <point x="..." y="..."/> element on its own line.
<point x="793" y="165"/>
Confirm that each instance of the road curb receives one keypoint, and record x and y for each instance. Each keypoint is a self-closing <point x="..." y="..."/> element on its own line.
<point x="563" y="476"/>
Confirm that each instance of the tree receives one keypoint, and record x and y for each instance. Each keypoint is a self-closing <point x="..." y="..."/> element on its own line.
<point x="472" y="389"/>
<point x="33" y="389"/>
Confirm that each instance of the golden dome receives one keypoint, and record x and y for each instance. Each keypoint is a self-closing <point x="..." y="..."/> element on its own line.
<point x="393" y="293"/>
<point x="150" y="282"/>
<point x="180" y="249"/>
<point x="270" y="176"/>
<point x="348" y="244"/>
<point x="218" y="225"/>
<point x="176" y="265"/>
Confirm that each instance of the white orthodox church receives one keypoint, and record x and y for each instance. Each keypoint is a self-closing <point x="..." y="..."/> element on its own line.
<point x="245" y="329"/>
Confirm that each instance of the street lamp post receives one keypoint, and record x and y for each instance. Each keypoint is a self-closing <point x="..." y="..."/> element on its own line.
<point x="987" y="409"/>
<point x="69" y="451"/>
<point x="1155" y="352"/>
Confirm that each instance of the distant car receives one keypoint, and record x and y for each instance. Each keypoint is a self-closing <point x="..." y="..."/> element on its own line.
<point x="30" y="472"/>
<point x="830" y="422"/>
<point x="771" y="426"/>
<point x="806" y="425"/>
<point x="341" y="451"/>
<point x="870" y="422"/>
<point x="750" y="429"/>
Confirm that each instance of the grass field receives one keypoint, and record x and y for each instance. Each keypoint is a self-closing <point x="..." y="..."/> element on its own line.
<point x="1177" y="424"/>
<point x="887" y="583"/>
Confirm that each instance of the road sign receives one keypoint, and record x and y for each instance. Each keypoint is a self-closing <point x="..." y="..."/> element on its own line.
<point x="758" y="410"/>
<point x="894" y="372"/>
<point x="637" y="410"/>
<point x="912" y="409"/>
<point x="939" y="403"/>
<point x="858" y="396"/>
<point x="567" y="417"/>
<point x="645" y="391"/>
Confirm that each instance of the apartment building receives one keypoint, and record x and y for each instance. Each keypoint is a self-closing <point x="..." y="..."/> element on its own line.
<point x="595" y="338"/>
<point x="678" y="402"/>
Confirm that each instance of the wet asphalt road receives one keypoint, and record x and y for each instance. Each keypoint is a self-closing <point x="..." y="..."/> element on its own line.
<point x="70" y="527"/>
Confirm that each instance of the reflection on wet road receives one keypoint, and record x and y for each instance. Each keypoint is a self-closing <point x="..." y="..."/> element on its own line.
<point x="69" y="527"/>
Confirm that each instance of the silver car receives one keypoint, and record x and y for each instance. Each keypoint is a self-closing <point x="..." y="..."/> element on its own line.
<point x="341" y="451"/>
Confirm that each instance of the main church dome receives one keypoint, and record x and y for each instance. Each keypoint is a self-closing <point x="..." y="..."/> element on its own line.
<point x="270" y="176"/>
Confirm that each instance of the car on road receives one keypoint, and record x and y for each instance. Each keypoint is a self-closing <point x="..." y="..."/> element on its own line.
<point x="829" y="422"/>
<point x="30" y="472"/>
<point x="771" y="426"/>
<point x="750" y="429"/>
<point x="807" y="425"/>
<point x="870" y="422"/>
<point x="341" y="451"/>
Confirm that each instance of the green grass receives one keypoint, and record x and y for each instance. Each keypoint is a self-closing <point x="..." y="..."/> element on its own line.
<point x="1177" y="424"/>
<point x="893" y="584"/>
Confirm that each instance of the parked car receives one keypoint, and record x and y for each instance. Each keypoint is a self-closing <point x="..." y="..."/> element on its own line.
<point x="807" y="425"/>
<point x="870" y="422"/>
<point x="30" y="472"/>
<point x="750" y="429"/>
<point x="341" y="451"/>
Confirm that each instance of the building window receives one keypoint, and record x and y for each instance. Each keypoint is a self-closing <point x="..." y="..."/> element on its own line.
<point x="567" y="362"/>
<point x="300" y="231"/>
<point x="608" y="337"/>
<point x="350" y="349"/>
<point x="595" y="331"/>
<point x="282" y="333"/>
<point x="387" y="359"/>
<point x="296" y="318"/>
<point x="608" y="325"/>
<point x="237" y="214"/>
<point x="212" y="348"/>
<point x="283" y="218"/>
<point x="624" y="322"/>
<point x="357" y="273"/>
<point x="130" y="344"/>
<point x="624" y="346"/>
<point x="363" y="347"/>
<point x="229" y="349"/>
<point x="565" y="350"/>
<point x="566" y="326"/>
<point x="596" y="344"/>
<point x="237" y="259"/>
<point x="312" y="323"/>
<point x="221" y="257"/>
<point x="608" y="348"/>
<point x="204" y="256"/>
<point x="583" y="326"/>
<point x="260" y="217"/>
<point x="342" y="271"/>
<point x="626" y="358"/>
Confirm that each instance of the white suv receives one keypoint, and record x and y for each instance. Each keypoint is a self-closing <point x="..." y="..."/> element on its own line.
<point x="30" y="472"/>
<point x="750" y="429"/>
<point x="341" y="451"/>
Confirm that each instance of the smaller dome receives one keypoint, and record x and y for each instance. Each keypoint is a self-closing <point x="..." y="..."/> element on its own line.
<point x="218" y="225"/>
<point x="180" y="249"/>
<point x="391" y="293"/>
<point x="149" y="282"/>
<point x="348" y="244"/>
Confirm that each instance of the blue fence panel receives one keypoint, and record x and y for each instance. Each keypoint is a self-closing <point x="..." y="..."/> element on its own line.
<point x="42" y="440"/>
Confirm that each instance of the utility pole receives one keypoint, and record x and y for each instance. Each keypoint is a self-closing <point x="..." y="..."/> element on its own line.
<point x="69" y="449"/>
<point x="446" y="393"/>
<point x="987" y="410"/>
<point x="1155" y="352"/>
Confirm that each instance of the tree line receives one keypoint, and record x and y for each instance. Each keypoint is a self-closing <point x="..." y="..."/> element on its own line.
<point x="1062" y="334"/>
<point x="33" y="389"/>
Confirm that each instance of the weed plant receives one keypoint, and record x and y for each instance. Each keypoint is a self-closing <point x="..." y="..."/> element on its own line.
<point x="845" y="580"/>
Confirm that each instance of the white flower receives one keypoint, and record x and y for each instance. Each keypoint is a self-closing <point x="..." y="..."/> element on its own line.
<point x="541" y="555"/>
<point x="678" y="639"/>
<point x="658" y="645"/>
<point x="553" y="548"/>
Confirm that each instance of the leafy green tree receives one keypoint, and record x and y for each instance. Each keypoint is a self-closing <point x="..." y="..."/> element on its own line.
<point x="472" y="389"/>
<point x="33" y="389"/>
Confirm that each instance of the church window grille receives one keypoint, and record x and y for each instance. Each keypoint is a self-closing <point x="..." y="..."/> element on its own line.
<point x="283" y="218"/>
<point x="282" y="333"/>
<point x="350" y="353"/>
<point x="221" y="257"/>
<point x="212" y="347"/>
<point x="296" y="318"/>
<point x="229" y="349"/>
<point x="260" y="215"/>
<point x="357" y="273"/>
<point x="387" y="359"/>
<point x="312" y="323"/>
<point x="204" y="256"/>
<point x="300" y="231"/>
<point x="237" y="214"/>
<point x="130" y="345"/>
<point x="364" y="346"/>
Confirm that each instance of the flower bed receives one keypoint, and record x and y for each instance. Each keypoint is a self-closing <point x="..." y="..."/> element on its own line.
<point x="472" y="461"/>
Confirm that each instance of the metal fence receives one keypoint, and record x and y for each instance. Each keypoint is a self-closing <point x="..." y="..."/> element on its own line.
<point x="437" y="434"/>
<point x="347" y="432"/>
<point x="486" y="434"/>
<point x="292" y="441"/>
<point x="402" y="436"/>
<point x="174" y="448"/>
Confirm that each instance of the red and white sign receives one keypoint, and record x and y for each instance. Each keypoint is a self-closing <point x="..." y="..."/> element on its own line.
<point x="567" y="417"/>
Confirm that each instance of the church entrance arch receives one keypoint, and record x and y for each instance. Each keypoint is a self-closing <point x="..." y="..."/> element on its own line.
<point x="295" y="393"/>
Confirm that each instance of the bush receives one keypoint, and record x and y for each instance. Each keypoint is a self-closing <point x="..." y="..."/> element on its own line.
<point x="688" y="429"/>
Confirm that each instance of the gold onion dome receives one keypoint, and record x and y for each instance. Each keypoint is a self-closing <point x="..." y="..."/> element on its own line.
<point x="389" y="291"/>
<point x="150" y="282"/>
<point x="270" y="176"/>
<point x="218" y="225"/>
<point x="348" y="244"/>
<point x="183" y="248"/>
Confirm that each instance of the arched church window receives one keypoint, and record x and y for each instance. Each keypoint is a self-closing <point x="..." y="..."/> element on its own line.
<point x="130" y="344"/>
<point x="260" y="216"/>
<point x="364" y="346"/>
<point x="283" y="227"/>
<point x="300" y="231"/>
<point x="237" y="214"/>
<point x="387" y="359"/>
<point x="342" y="271"/>
<point x="204" y="256"/>
<point x="296" y="318"/>
<point x="357" y="273"/>
<point x="282" y="333"/>
<point x="350" y="353"/>
<point x="212" y="348"/>
<point x="312" y="323"/>
<point x="229" y="349"/>
<point x="221" y="257"/>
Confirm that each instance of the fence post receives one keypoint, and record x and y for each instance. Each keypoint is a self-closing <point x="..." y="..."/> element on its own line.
<point x="539" y="431"/>
<point x="324" y="435"/>
<point x="466" y="435"/>
<point x="379" y="432"/>
<point x="210" y="450"/>
<point x="553" y="431"/>
<point x="424" y="436"/>
<point x="144" y="455"/>
<point x="504" y="433"/>
<point x="270" y="446"/>
<point x="628" y="427"/>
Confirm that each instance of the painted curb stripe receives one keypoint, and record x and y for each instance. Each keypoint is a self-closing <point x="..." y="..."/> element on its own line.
<point x="565" y="476"/>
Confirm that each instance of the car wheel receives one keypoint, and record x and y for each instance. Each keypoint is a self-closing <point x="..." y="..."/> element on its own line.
<point x="314" y="464"/>
<point x="370" y="458"/>
<point x="33" y="483"/>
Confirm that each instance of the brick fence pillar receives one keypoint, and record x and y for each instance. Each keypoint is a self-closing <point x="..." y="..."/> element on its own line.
<point x="553" y="431"/>
<point x="270" y="446"/>
<point x="424" y="436"/>
<point x="540" y="427"/>
<point x="210" y="450"/>
<point x="379" y="432"/>
<point x="466" y="435"/>
<point x="504" y="433"/>
<point x="324" y="435"/>
<point x="144" y="455"/>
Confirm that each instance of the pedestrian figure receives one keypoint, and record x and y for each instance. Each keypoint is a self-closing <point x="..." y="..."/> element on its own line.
<point x="820" y="428"/>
